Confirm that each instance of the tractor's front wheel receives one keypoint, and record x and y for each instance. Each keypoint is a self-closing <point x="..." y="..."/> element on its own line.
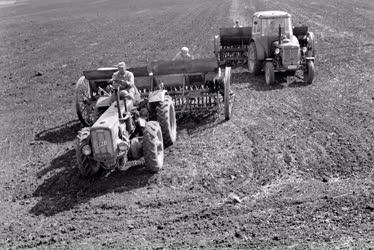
<point x="309" y="72"/>
<point x="86" y="164"/>
<point x="269" y="73"/>
<point x="153" y="147"/>
<point x="85" y="106"/>
<point x="254" y="65"/>
<point x="166" y="118"/>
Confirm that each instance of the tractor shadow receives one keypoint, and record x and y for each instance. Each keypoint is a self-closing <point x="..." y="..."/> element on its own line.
<point x="64" y="189"/>
<point x="257" y="83"/>
<point x="60" y="134"/>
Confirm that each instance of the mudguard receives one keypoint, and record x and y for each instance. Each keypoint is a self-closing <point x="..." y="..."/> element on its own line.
<point x="300" y="31"/>
<point x="260" y="50"/>
<point x="157" y="96"/>
<point x="104" y="101"/>
<point x="311" y="45"/>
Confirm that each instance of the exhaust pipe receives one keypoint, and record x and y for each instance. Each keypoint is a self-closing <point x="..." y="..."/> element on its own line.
<point x="117" y="100"/>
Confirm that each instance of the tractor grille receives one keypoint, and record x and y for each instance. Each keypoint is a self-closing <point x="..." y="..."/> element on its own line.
<point x="291" y="55"/>
<point x="102" y="144"/>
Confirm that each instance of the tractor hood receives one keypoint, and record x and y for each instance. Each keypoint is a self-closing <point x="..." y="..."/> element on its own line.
<point x="293" y="42"/>
<point x="108" y="120"/>
<point x="104" y="135"/>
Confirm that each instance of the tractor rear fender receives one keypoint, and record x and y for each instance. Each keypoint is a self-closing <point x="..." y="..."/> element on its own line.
<point x="310" y="43"/>
<point x="260" y="50"/>
<point x="157" y="96"/>
<point x="104" y="101"/>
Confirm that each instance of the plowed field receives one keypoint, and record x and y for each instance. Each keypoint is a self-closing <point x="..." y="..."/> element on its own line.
<point x="293" y="168"/>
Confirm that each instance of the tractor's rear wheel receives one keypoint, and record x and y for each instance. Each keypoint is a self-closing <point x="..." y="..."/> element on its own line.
<point x="254" y="65"/>
<point x="166" y="118"/>
<point x="85" y="105"/>
<point x="269" y="73"/>
<point x="153" y="147"/>
<point x="227" y="94"/>
<point x="312" y="51"/>
<point x="87" y="166"/>
<point x="309" y="72"/>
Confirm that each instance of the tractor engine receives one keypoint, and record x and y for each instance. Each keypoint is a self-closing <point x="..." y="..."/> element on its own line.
<point x="110" y="138"/>
<point x="290" y="54"/>
<point x="286" y="51"/>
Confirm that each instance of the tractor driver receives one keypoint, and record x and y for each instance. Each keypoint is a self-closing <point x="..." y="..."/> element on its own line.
<point x="125" y="81"/>
<point x="237" y="25"/>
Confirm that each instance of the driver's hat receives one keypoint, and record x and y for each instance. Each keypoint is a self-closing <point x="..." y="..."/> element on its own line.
<point x="121" y="65"/>
<point x="185" y="50"/>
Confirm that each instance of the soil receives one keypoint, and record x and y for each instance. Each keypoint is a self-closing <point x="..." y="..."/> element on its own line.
<point x="293" y="168"/>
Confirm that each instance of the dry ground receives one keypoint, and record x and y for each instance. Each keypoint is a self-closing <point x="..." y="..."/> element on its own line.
<point x="299" y="157"/>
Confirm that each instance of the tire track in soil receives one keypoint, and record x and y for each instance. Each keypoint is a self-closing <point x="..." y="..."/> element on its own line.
<point x="267" y="160"/>
<point x="303" y="133"/>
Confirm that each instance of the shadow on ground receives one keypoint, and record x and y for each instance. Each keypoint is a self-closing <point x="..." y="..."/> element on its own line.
<point x="65" y="189"/>
<point x="197" y="122"/>
<point x="60" y="134"/>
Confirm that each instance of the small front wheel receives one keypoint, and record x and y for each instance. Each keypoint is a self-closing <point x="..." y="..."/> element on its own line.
<point x="153" y="147"/>
<point x="86" y="164"/>
<point x="309" y="72"/>
<point x="269" y="73"/>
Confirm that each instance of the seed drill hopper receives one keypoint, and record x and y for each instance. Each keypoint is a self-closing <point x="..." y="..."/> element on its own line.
<point x="197" y="87"/>
<point x="231" y="46"/>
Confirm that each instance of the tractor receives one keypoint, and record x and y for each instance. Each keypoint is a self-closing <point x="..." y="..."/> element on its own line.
<point x="116" y="132"/>
<point x="272" y="45"/>
<point x="122" y="130"/>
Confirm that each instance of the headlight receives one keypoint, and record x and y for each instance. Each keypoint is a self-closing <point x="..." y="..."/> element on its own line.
<point x="86" y="150"/>
<point x="277" y="51"/>
<point x="304" y="49"/>
<point x="123" y="146"/>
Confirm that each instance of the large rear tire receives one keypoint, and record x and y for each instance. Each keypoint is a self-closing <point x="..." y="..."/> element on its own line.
<point x="87" y="166"/>
<point x="153" y="147"/>
<point x="269" y="73"/>
<point x="309" y="72"/>
<point x="254" y="65"/>
<point x="227" y="94"/>
<point x="84" y="104"/>
<point x="166" y="118"/>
